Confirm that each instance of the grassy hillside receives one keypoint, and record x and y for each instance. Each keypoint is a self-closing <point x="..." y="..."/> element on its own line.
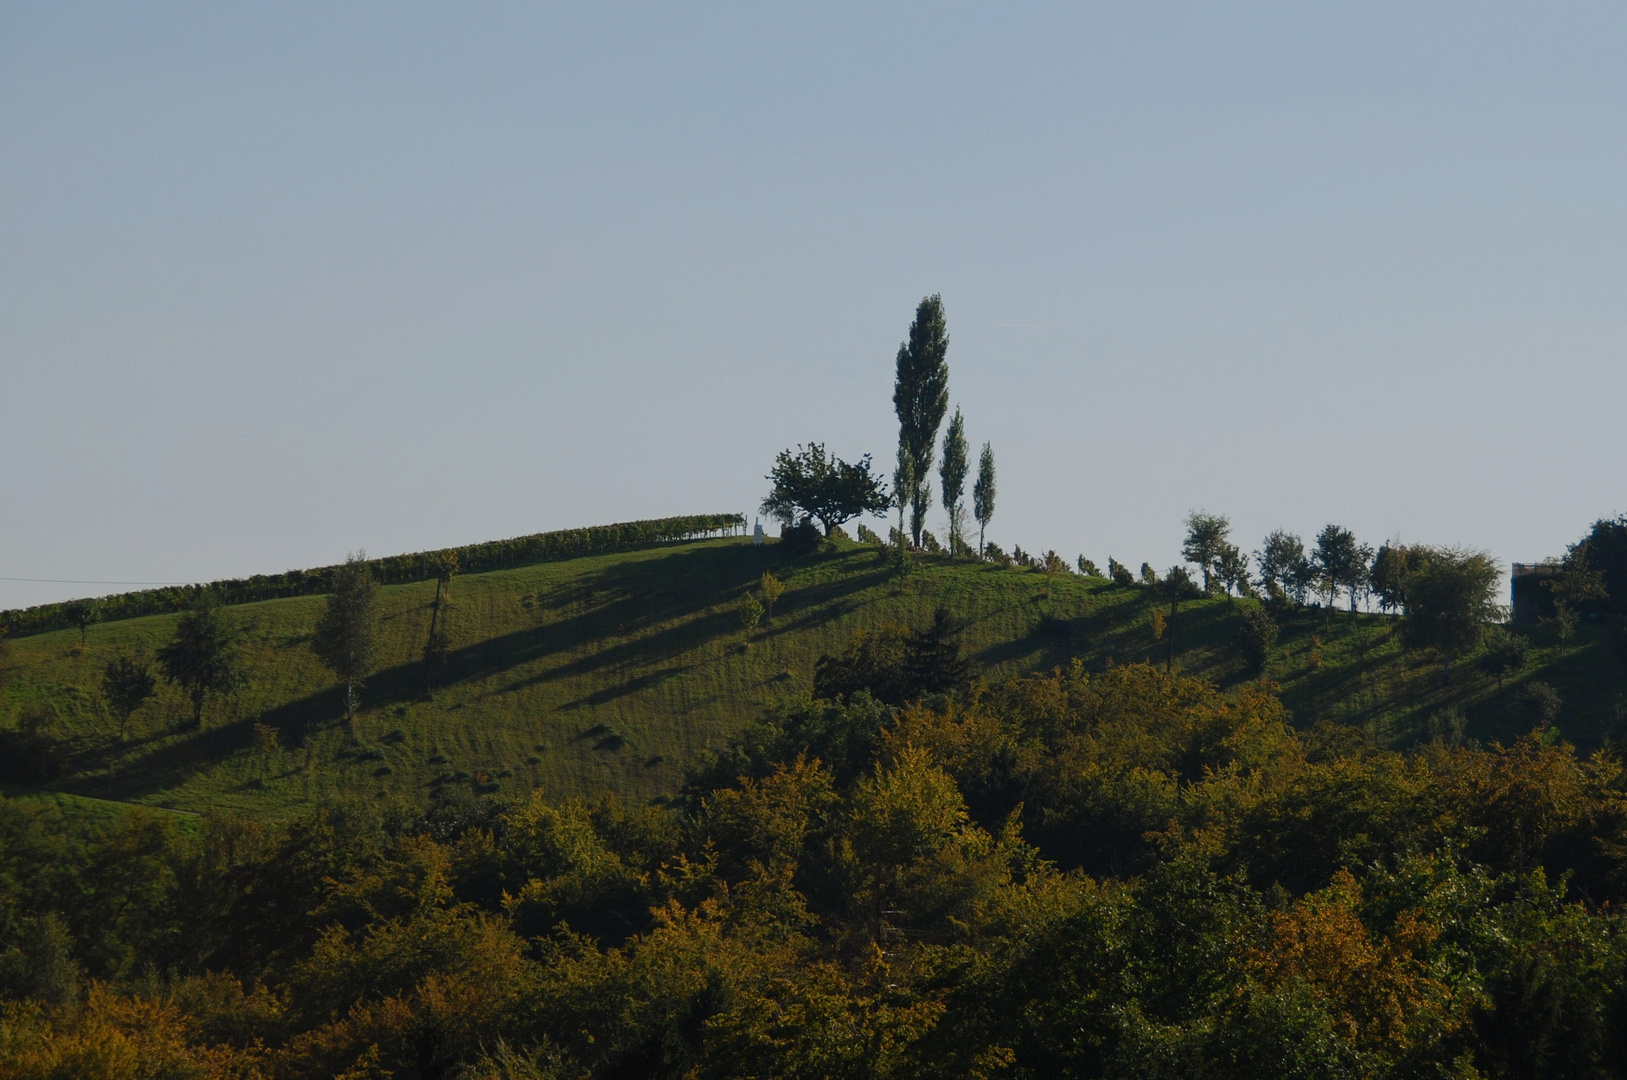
<point x="615" y="672"/>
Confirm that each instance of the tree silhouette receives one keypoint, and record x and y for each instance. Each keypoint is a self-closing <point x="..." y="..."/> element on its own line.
<point x="952" y="477"/>
<point x="920" y="398"/>
<point x="202" y="658"/>
<point x="126" y="685"/>
<point x="810" y="483"/>
<point x="346" y="636"/>
<point x="983" y="495"/>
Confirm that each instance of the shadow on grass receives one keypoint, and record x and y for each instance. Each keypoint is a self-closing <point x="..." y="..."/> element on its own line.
<point x="653" y="600"/>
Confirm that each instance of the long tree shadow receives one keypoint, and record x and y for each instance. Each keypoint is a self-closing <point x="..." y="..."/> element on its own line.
<point x="181" y="757"/>
<point x="645" y="602"/>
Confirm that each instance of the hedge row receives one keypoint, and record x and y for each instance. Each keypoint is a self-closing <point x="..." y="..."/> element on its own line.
<point x="394" y="570"/>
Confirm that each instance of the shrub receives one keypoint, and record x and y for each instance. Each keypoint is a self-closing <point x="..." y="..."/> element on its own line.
<point x="1505" y="653"/>
<point x="1544" y="701"/>
<point x="801" y="539"/>
<point x="1256" y="637"/>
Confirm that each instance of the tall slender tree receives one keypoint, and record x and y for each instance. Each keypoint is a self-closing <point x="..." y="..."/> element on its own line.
<point x="346" y="634"/>
<point x="920" y="398"/>
<point x="952" y="475"/>
<point x="983" y="495"/>
<point x="903" y="487"/>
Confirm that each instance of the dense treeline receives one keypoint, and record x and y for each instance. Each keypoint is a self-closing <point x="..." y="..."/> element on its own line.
<point x="393" y="570"/>
<point x="1120" y="874"/>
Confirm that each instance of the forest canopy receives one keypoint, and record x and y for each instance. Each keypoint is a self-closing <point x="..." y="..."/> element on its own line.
<point x="1120" y="873"/>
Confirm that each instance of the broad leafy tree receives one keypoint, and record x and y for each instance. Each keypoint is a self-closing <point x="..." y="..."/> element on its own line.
<point x="808" y="483"/>
<point x="346" y="637"/>
<point x="1284" y="569"/>
<point x="1206" y="537"/>
<point x="1604" y="550"/>
<point x="1232" y="569"/>
<point x="82" y="613"/>
<point x="920" y="398"/>
<point x="1388" y="577"/>
<point x="952" y="477"/>
<point x="1256" y="637"/>
<point x="1451" y="600"/>
<point x="1504" y="654"/>
<point x="202" y="658"/>
<point x="983" y="495"/>
<point x="1340" y="562"/>
<point x="127" y="684"/>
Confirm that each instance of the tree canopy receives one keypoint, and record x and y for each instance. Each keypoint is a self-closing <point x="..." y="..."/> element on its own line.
<point x="1283" y="566"/>
<point x="983" y="494"/>
<point x="346" y="636"/>
<point x="1451" y="598"/>
<point x="808" y="483"/>
<point x="202" y="657"/>
<point x="920" y="399"/>
<point x="1206" y="537"/>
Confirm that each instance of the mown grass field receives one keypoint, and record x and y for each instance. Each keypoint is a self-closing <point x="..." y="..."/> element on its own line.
<point x="614" y="673"/>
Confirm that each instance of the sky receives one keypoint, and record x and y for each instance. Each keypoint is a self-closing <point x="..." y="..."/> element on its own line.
<point x="283" y="281"/>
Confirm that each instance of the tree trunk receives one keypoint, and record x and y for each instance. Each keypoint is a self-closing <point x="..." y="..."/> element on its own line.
<point x="429" y="646"/>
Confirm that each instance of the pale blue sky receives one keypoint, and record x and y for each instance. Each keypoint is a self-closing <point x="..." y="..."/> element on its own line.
<point x="277" y="282"/>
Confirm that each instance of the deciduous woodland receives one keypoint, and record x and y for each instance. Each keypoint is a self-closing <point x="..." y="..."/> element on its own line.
<point x="1121" y="873"/>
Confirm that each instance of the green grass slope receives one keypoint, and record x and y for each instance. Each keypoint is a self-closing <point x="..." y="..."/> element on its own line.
<point x="616" y="672"/>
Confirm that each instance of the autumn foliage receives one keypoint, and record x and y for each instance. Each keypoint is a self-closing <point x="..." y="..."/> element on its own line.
<point x="1076" y="875"/>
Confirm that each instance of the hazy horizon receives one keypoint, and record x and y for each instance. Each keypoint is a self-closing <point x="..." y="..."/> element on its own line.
<point x="279" y="284"/>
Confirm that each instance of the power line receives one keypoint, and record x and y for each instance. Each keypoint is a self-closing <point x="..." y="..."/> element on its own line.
<point x="76" y="581"/>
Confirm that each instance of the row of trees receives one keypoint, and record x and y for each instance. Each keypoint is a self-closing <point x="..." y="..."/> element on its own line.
<point x="920" y="400"/>
<point x="810" y="484"/>
<point x="1448" y="595"/>
<point x="204" y="657"/>
<point x="390" y="570"/>
<point x="1073" y="875"/>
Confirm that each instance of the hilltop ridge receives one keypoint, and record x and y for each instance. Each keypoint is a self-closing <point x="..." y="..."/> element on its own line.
<point x="616" y="672"/>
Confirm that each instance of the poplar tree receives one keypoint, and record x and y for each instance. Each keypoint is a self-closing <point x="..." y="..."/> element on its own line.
<point x="952" y="475"/>
<point x="346" y="636"/>
<point x="903" y="485"/>
<point x="920" y="398"/>
<point x="983" y="495"/>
